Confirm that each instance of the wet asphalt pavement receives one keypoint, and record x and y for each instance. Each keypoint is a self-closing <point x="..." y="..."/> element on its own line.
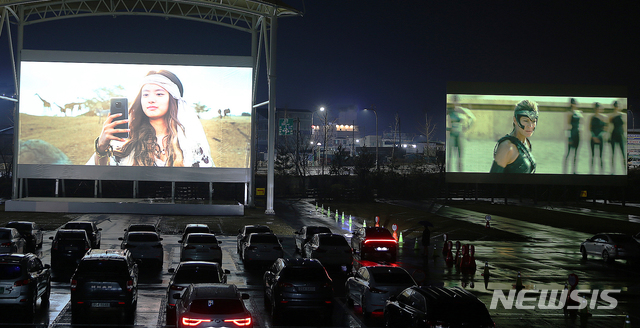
<point x="544" y="261"/>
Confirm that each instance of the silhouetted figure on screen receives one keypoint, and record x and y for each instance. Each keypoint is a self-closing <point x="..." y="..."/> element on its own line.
<point x="575" y="118"/>
<point x="460" y="120"/>
<point x="598" y="128"/>
<point x="617" y="137"/>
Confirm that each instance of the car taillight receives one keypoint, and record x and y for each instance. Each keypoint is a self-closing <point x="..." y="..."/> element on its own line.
<point x="54" y="245"/>
<point x="74" y="284"/>
<point x="6" y="244"/>
<point x="240" y="322"/>
<point x="22" y="282"/>
<point x="189" y="247"/>
<point x="381" y="241"/>
<point x="130" y="285"/>
<point x="376" y="290"/>
<point x="174" y="287"/>
<point x="193" y="322"/>
<point x="285" y="285"/>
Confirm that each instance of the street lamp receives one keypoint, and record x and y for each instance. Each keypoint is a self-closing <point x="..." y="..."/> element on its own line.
<point x="324" y="149"/>
<point x="374" y="111"/>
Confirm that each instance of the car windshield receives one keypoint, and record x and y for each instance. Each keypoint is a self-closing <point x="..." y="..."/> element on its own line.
<point x="5" y="234"/>
<point x="196" y="275"/>
<point x="379" y="233"/>
<point x="394" y="277"/>
<point x="19" y="226"/>
<point x="102" y="268"/>
<point x="9" y="271"/>
<point x="621" y="239"/>
<point x="143" y="237"/>
<point x="264" y="239"/>
<point x="199" y="239"/>
<point x="216" y="306"/>
<point x="304" y="274"/>
<point x="333" y="241"/>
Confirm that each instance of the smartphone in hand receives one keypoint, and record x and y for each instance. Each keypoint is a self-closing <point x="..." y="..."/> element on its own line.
<point x="120" y="106"/>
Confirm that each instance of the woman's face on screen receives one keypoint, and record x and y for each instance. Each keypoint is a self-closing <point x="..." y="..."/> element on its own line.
<point x="154" y="100"/>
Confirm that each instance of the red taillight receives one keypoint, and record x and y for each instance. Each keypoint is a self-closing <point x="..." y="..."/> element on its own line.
<point x="285" y="285"/>
<point x="240" y="322"/>
<point x="130" y="285"/>
<point x="6" y="244"/>
<point x="22" y="282"/>
<point x="193" y="322"/>
<point x="174" y="287"/>
<point x="74" y="284"/>
<point x="381" y="241"/>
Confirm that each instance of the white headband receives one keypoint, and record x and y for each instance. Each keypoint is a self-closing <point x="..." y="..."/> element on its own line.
<point x="164" y="82"/>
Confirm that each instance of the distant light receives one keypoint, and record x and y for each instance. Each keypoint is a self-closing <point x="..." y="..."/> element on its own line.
<point x="322" y="109"/>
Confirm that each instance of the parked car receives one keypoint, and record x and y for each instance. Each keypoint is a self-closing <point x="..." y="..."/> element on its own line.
<point x="298" y="284"/>
<point x="191" y="272"/>
<point x="429" y="306"/>
<point x="30" y="231"/>
<point x="105" y="279"/>
<point x="93" y="232"/>
<point x="371" y="286"/>
<point x="201" y="247"/>
<point x="194" y="228"/>
<point x="332" y="250"/>
<point x="11" y="241"/>
<point x="611" y="246"/>
<point x="305" y="233"/>
<point x="23" y="280"/>
<point x="145" y="247"/>
<point x="244" y="233"/>
<point x="375" y="244"/>
<point x="140" y="227"/>
<point x="212" y="305"/>
<point x="67" y="248"/>
<point x="261" y="248"/>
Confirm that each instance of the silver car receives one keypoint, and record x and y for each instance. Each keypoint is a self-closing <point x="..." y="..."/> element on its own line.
<point x="11" y="241"/>
<point x="305" y="233"/>
<point x="212" y="305"/>
<point x="261" y="248"/>
<point x="201" y="247"/>
<point x="30" y="231"/>
<point x="144" y="246"/>
<point x="332" y="250"/>
<point x="371" y="287"/>
<point x="191" y="272"/>
<point x="611" y="246"/>
<point x="193" y="228"/>
<point x="24" y="279"/>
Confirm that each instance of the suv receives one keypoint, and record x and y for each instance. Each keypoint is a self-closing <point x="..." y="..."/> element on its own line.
<point x="11" y="241"/>
<point x="68" y="247"/>
<point x="194" y="228"/>
<point x="30" y="231"/>
<point x="24" y="279"/>
<point x="295" y="284"/>
<point x="375" y="244"/>
<point x="243" y="234"/>
<point x="213" y="305"/>
<point x="105" y="279"/>
<point x="430" y="306"/>
<point x="93" y="232"/>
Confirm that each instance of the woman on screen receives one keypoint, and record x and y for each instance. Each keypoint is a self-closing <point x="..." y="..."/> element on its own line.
<point x="575" y="117"/>
<point x="512" y="153"/>
<point x="617" y="137"/>
<point x="597" y="127"/>
<point x="163" y="130"/>
<point x="460" y="120"/>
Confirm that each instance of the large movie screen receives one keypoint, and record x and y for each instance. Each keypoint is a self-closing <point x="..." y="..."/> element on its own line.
<point x="180" y="111"/>
<point x="540" y="135"/>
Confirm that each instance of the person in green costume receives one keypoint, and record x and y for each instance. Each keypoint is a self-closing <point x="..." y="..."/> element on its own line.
<point x="598" y="128"/>
<point x="617" y="137"/>
<point x="512" y="153"/>
<point x="575" y="118"/>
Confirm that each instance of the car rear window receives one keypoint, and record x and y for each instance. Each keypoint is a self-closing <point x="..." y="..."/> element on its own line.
<point x="392" y="278"/>
<point x="216" y="306"/>
<point x="10" y="271"/>
<point x="103" y="268"/>
<point x="379" y="234"/>
<point x="196" y="275"/>
<point x="83" y="226"/>
<point x="621" y="239"/>
<point x="4" y="234"/>
<point x="333" y="241"/>
<point x="197" y="229"/>
<point x="141" y="228"/>
<point x="202" y="239"/>
<point x="143" y="237"/>
<point x="315" y="230"/>
<point x="19" y="226"/>
<point x="71" y="236"/>
<point x="257" y="229"/>
<point x="264" y="239"/>
<point x="304" y="274"/>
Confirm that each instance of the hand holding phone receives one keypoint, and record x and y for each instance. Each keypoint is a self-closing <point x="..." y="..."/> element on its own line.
<point x="120" y="106"/>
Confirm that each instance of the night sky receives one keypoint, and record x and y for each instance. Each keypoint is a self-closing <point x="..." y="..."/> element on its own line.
<point x="394" y="55"/>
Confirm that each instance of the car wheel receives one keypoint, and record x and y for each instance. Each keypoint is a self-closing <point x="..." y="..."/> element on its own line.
<point x="47" y="294"/>
<point x="606" y="257"/>
<point x="584" y="253"/>
<point x="30" y="310"/>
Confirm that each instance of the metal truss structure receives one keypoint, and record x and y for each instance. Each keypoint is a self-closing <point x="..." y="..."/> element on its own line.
<point x="257" y="17"/>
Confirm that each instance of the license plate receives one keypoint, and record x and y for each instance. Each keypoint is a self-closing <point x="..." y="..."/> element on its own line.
<point x="201" y="250"/>
<point x="100" y="305"/>
<point x="382" y="249"/>
<point x="307" y="289"/>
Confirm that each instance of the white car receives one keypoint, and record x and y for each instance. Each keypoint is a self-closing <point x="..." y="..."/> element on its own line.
<point x="372" y="286"/>
<point x="261" y="248"/>
<point x="332" y="250"/>
<point x="305" y="233"/>
<point x="212" y="305"/>
<point x="611" y="246"/>
<point x="145" y="246"/>
<point x="201" y="247"/>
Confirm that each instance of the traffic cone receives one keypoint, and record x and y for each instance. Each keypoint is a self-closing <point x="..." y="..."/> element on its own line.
<point x="337" y="215"/>
<point x="486" y="274"/>
<point x="364" y="223"/>
<point x="328" y="211"/>
<point x="416" y="246"/>
<point x="377" y="221"/>
<point x="487" y="225"/>
<point x="343" y="218"/>
<point x="627" y="322"/>
<point x="519" y="285"/>
<point x="349" y="221"/>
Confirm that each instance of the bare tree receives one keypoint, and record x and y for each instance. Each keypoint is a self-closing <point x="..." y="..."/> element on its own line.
<point x="428" y="129"/>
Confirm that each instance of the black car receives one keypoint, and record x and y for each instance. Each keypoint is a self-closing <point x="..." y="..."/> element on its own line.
<point x="375" y="244"/>
<point x="305" y="233"/>
<point x="105" y="279"/>
<point x="93" y="232"/>
<point x="24" y="279"/>
<point x="298" y="284"/>
<point x="30" y="231"/>
<point x="67" y="248"/>
<point x="429" y="306"/>
<point x="243" y="234"/>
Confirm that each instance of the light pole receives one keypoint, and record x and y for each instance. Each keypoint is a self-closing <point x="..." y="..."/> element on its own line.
<point x="324" y="149"/>
<point x="374" y="111"/>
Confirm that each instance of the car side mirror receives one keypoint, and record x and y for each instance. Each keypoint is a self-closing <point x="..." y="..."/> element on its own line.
<point x="245" y="296"/>
<point x="239" y="230"/>
<point x="160" y="238"/>
<point x="120" y="238"/>
<point x="99" y="229"/>
<point x="226" y="271"/>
